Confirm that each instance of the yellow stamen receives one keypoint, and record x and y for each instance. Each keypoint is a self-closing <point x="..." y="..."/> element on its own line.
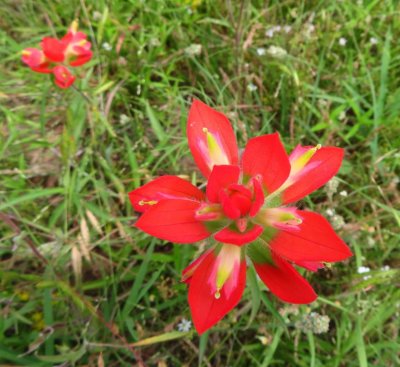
<point x="150" y="202"/>
<point x="229" y="257"/>
<point x="215" y="150"/>
<point x="301" y="161"/>
<point x="74" y="26"/>
<point x="26" y="53"/>
<point x="279" y="216"/>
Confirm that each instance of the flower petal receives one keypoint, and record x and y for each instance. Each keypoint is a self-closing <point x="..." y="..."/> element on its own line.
<point x="44" y="68"/>
<point x="228" y="235"/>
<point x="285" y="282"/>
<point x="266" y="156"/>
<point x="33" y="57"/>
<point x="312" y="240"/>
<point x="63" y="77"/>
<point x="258" y="199"/>
<point x="319" y="169"/>
<point x="173" y="220"/>
<point x="164" y="187"/>
<point x="310" y="265"/>
<point x="54" y="49"/>
<point x="206" y="308"/>
<point x="220" y="178"/>
<point x="187" y="273"/>
<point x="81" y="59"/>
<point x="211" y="138"/>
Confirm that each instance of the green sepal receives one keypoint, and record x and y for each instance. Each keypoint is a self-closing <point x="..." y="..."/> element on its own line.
<point x="273" y="201"/>
<point x="268" y="234"/>
<point x="214" y="226"/>
<point x="259" y="252"/>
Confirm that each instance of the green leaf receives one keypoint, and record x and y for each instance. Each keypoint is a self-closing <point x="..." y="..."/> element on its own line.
<point x="155" y="124"/>
<point x="161" y="338"/>
<point x="259" y="252"/>
<point x="255" y="294"/>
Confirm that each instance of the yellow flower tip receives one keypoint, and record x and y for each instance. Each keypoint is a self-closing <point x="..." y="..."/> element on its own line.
<point x="25" y="53"/>
<point x="150" y="202"/>
<point x="74" y="26"/>
<point x="205" y="130"/>
<point x="317" y="147"/>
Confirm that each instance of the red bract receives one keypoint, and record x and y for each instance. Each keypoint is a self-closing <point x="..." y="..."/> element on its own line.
<point x="56" y="55"/>
<point x="245" y="212"/>
<point x="63" y="77"/>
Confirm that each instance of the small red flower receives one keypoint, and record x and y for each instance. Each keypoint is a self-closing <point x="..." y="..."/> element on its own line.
<point x="56" y="55"/>
<point x="245" y="211"/>
<point x="63" y="77"/>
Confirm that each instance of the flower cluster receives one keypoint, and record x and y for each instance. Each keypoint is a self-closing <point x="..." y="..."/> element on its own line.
<point x="246" y="211"/>
<point x="55" y="56"/>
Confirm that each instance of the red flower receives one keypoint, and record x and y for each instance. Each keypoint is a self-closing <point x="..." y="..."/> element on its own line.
<point x="63" y="77"/>
<point x="56" y="55"/>
<point x="246" y="211"/>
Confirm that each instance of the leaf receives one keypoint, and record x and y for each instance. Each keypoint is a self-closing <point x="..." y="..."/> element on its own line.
<point x="255" y="294"/>
<point x="34" y="194"/>
<point x="155" y="124"/>
<point x="161" y="338"/>
<point x="138" y="284"/>
<point x="361" y="353"/>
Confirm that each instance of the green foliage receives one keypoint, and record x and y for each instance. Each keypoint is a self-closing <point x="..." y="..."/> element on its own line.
<point x="97" y="290"/>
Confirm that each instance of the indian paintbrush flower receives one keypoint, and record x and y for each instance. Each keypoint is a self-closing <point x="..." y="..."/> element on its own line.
<point x="56" y="56"/>
<point x="246" y="211"/>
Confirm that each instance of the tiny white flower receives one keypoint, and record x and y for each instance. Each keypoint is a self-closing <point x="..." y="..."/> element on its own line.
<point x="277" y="28"/>
<point x="363" y="269"/>
<point x="138" y="89"/>
<point x="184" y="326"/>
<point x="373" y="41"/>
<point x="385" y="268"/>
<point x="106" y="46"/>
<point x="343" y="193"/>
<point x="277" y="52"/>
<point x="124" y="119"/>
<point x="97" y="15"/>
<point x="337" y="221"/>
<point x="332" y="186"/>
<point x="342" y="115"/>
<point x="261" y="51"/>
<point x="270" y="32"/>
<point x="193" y="50"/>
<point x="251" y="87"/>
<point x="330" y="212"/>
<point x="287" y="28"/>
<point x="342" y="41"/>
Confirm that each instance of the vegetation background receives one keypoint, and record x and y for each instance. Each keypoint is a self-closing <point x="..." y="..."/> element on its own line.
<point x="79" y="286"/>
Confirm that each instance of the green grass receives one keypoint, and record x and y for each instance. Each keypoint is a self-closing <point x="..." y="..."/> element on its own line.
<point x="95" y="289"/>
